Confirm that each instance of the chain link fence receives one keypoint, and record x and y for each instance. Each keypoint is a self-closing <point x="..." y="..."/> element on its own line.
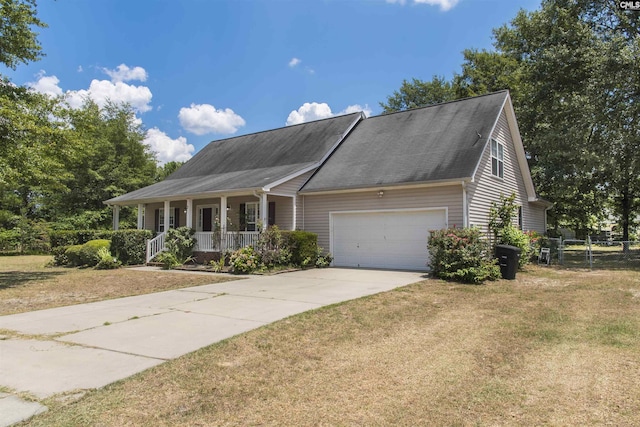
<point x="594" y="254"/>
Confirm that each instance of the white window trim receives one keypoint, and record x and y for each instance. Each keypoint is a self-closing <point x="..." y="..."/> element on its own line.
<point x="499" y="156"/>
<point x="214" y="208"/>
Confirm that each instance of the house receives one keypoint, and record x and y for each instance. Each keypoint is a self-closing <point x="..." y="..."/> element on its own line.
<point x="371" y="188"/>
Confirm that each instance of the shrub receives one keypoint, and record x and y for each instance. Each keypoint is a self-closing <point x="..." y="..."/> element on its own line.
<point x="303" y="246"/>
<point x="244" y="260"/>
<point x="180" y="242"/>
<point x="130" y="246"/>
<point x="60" y="257"/>
<point x="461" y="255"/>
<point x="72" y="253"/>
<point x="168" y="260"/>
<point x="323" y="260"/>
<point x="106" y="260"/>
<point x="512" y="236"/>
<point x="272" y="249"/>
<point x="218" y="266"/>
<point x="89" y="251"/>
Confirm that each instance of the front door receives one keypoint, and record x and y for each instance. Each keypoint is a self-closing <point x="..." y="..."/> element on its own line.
<point x="207" y="217"/>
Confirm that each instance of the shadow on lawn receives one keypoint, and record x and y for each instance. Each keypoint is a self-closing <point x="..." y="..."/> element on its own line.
<point x="12" y="279"/>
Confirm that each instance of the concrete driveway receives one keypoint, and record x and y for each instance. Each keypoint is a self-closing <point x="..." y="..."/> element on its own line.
<point x="88" y="346"/>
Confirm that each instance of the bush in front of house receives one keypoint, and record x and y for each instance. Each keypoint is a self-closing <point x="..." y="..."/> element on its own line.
<point x="106" y="261"/>
<point x="180" y="243"/>
<point x="303" y="246"/>
<point x="323" y="260"/>
<point x="87" y="254"/>
<point x="130" y="246"/>
<point x="245" y="260"/>
<point x="168" y="260"/>
<point x="60" y="257"/>
<point x="461" y="255"/>
<point x="89" y="251"/>
<point x="72" y="255"/>
<point x="510" y="235"/>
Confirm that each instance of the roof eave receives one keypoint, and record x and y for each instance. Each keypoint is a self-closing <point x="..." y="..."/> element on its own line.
<point x="398" y="186"/>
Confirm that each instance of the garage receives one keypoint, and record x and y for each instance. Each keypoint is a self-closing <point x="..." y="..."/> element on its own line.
<point x="394" y="239"/>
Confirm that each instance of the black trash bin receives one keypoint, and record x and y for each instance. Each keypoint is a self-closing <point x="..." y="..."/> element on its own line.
<point x="508" y="257"/>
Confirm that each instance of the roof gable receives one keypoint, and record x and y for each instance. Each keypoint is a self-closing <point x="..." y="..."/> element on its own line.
<point x="437" y="143"/>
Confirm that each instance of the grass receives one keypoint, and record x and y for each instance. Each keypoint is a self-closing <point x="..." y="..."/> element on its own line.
<point x="554" y="347"/>
<point x="27" y="285"/>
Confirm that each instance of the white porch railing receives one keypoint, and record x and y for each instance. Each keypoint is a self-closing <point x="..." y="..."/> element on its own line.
<point x="207" y="242"/>
<point x="155" y="246"/>
<point x="218" y="242"/>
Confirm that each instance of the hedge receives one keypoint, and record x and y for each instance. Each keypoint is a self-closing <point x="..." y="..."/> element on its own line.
<point x="303" y="246"/>
<point x="130" y="246"/>
<point x="76" y="237"/>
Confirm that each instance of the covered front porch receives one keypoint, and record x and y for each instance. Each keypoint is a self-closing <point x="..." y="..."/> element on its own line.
<point x="222" y="222"/>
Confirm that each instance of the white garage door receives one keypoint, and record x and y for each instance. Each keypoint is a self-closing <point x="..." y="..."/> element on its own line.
<point x="384" y="239"/>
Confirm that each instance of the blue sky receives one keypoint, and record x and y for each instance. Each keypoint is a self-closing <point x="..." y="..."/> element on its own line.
<point x="200" y="70"/>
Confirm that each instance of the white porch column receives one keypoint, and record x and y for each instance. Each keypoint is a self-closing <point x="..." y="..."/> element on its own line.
<point x="116" y="217"/>
<point x="295" y="212"/>
<point x="264" y="211"/>
<point x="167" y="213"/>
<point x="223" y="214"/>
<point x="140" y="216"/>
<point x="189" y="213"/>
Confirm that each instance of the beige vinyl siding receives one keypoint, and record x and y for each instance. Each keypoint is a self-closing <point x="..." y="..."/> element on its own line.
<point x="487" y="188"/>
<point x="536" y="219"/>
<point x="318" y="207"/>
<point x="291" y="187"/>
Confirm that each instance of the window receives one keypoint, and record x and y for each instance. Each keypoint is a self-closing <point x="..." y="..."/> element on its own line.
<point x="520" y="225"/>
<point x="173" y="214"/>
<point x="251" y="213"/>
<point x="497" y="159"/>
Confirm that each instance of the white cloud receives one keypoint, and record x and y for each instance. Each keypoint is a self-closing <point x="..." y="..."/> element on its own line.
<point x="168" y="149"/>
<point x="124" y="74"/>
<point x="309" y="112"/>
<point x="47" y="85"/>
<point x="80" y="69"/>
<point x="444" y="4"/>
<point x="355" y="108"/>
<point x="101" y="91"/>
<point x="204" y="118"/>
<point x="294" y="62"/>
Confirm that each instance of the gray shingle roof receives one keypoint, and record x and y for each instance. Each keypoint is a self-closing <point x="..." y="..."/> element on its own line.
<point x="249" y="161"/>
<point x="434" y="143"/>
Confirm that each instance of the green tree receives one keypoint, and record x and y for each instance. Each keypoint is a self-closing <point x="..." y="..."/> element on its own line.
<point x="418" y="93"/>
<point x="109" y="159"/>
<point x="164" y="171"/>
<point x="18" y="41"/>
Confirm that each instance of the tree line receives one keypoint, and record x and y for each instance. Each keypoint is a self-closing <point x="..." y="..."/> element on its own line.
<point x="58" y="164"/>
<point x="573" y="70"/>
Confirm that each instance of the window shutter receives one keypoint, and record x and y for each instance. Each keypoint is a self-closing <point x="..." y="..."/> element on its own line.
<point x="272" y="213"/>
<point x="157" y="220"/>
<point x="243" y="216"/>
<point x="176" y="218"/>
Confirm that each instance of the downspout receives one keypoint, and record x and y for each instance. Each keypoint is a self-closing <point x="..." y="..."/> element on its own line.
<point x="465" y="207"/>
